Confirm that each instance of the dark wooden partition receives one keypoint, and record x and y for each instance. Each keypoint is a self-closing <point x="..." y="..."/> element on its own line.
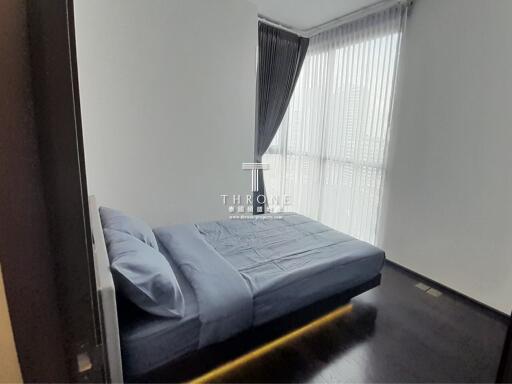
<point x="45" y="248"/>
<point x="27" y="260"/>
<point x="58" y="121"/>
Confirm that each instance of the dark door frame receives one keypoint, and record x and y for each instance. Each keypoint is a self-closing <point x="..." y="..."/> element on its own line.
<point x="59" y="126"/>
<point x="28" y="263"/>
<point x="45" y="252"/>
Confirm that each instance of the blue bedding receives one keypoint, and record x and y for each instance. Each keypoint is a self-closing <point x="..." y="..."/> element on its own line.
<point x="292" y="261"/>
<point x="240" y="273"/>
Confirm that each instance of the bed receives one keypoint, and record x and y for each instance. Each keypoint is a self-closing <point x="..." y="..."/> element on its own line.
<point x="237" y="275"/>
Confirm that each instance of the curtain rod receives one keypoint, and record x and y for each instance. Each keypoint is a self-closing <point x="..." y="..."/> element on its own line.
<point x="282" y="26"/>
<point x="347" y="18"/>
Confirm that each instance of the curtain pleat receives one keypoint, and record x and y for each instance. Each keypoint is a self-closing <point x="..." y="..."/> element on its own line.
<point x="329" y="154"/>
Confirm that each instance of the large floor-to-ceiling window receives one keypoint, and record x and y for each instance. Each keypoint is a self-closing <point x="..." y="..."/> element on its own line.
<point x="329" y="155"/>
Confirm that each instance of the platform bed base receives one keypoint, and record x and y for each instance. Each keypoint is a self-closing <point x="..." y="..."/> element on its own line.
<point x="202" y="361"/>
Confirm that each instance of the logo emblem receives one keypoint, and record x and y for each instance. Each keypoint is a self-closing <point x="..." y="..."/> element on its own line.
<point x="255" y="169"/>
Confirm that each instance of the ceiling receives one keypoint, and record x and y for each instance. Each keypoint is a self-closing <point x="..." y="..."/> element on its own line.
<point x="305" y="14"/>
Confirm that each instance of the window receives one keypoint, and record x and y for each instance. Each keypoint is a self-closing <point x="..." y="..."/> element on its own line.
<point x="329" y="152"/>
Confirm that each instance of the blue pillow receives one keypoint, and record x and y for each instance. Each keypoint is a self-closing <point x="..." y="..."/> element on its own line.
<point x="143" y="275"/>
<point x="113" y="219"/>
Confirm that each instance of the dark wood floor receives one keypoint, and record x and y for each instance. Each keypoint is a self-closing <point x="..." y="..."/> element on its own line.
<point x="395" y="333"/>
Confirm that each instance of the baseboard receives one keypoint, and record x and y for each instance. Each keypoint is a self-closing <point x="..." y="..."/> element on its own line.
<point x="435" y="284"/>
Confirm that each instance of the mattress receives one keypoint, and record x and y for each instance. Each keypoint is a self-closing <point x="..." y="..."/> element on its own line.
<point x="240" y="273"/>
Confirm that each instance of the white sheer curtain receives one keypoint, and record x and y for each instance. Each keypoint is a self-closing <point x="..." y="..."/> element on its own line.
<point x="329" y="154"/>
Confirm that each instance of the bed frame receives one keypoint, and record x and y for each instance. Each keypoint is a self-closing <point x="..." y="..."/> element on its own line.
<point x="197" y="363"/>
<point x="186" y="367"/>
<point x="106" y="298"/>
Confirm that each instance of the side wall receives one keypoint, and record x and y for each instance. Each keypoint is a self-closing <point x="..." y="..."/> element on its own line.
<point x="448" y="197"/>
<point x="168" y="100"/>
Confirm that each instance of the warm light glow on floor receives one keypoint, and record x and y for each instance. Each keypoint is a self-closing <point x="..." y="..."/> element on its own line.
<point x="217" y="373"/>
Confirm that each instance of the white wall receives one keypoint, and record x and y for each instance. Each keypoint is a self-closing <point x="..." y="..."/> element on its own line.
<point x="448" y="196"/>
<point x="167" y="93"/>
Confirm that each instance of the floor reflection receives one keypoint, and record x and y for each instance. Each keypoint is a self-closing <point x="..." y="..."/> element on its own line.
<point x="305" y="358"/>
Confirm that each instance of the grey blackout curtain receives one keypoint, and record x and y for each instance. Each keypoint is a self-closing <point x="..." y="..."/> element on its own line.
<point x="281" y="55"/>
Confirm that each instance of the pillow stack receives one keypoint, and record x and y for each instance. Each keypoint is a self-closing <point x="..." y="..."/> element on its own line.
<point x="140" y="271"/>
